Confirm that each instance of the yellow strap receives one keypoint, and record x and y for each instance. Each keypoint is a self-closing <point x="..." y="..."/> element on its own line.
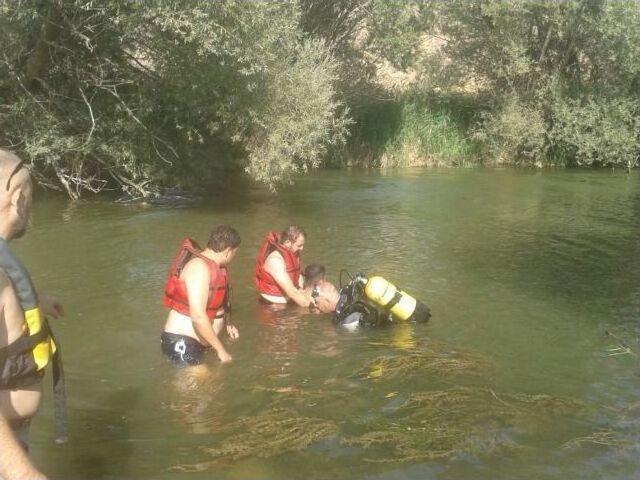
<point x="44" y="350"/>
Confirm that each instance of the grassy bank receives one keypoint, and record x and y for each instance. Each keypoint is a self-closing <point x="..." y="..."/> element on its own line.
<point x="414" y="129"/>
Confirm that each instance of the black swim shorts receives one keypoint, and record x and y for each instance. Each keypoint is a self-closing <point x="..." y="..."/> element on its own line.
<point x="182" y="349"/>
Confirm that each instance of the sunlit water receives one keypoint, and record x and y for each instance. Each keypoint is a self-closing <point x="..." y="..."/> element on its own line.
<point x="524" y="270"/>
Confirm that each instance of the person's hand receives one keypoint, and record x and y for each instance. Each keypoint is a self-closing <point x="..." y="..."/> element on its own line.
<point x="233" y="333"/>
<point x="324" y="305"/>
<point x="224" y="357"/>
<point x="50" y="306"/>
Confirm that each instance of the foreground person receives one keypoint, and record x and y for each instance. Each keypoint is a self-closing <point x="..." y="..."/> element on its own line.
<point x="197" y="292"/>
<point x="277" y="270"/>
<point x="14" y="463"/>
<point x="26" y="343"/>
<point x="324" y="293"/>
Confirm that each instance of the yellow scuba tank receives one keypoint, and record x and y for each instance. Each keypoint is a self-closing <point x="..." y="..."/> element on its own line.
<point x="399" y="303"/>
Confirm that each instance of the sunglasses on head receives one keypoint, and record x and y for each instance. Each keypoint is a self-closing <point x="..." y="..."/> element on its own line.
<point x="17" y="168"/>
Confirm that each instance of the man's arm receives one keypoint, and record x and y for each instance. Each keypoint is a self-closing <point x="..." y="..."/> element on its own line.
<point x="14" y="463"/>
<point x="50" y="306"/>
<point x="197" y="283"/>
<point x="275" y="267"/>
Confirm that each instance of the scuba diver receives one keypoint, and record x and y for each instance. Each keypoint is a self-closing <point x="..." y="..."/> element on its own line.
<point x="27" y="345"/>
<point x="324" y="293"/>
<point x="277" y="270"/>
<point x="375" y="301"/>
<point x="197" y="292"/>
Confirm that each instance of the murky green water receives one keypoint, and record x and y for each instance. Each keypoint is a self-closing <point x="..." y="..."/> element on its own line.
<point x="524" y="272"/>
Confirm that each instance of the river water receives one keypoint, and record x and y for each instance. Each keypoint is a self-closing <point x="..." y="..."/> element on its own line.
<point x="514" y="377"/>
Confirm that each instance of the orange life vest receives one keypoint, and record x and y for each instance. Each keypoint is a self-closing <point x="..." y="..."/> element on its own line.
<point x="175" y="291"/>
<point x="265" y="283"/>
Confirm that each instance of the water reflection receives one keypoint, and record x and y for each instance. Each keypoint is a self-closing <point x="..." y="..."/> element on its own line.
<point x="278" y="338"/>
<point x="196" y="398"/>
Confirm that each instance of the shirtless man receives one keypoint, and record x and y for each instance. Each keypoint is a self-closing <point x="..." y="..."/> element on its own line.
<point x="325" y="294"/>
<point x="277" y="271"/>
<point x="26" y="346"/>
<point x="197" y="292"/>
<point x="14" y="463"/>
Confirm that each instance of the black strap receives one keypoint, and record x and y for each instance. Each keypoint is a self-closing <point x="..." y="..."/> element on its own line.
<point x="26" y="344"/>
<point x="59" y="392"/>
<point x="393" y="302"/>
<point x="226" y="302"/>
<point x="23" y="344"/>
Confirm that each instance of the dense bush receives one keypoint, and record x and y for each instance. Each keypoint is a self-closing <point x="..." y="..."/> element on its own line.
<point x="600" y="131"/>
<point x="564" y="76"/>
<point x="134" y="96"/>
<point x="138" y="95"/>
<point x="513" y="133"/>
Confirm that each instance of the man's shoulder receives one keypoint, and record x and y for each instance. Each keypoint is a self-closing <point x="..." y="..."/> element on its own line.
<point x="274" y="263"/>
<point x="274" y="256"/>
<point x="196" y="263"/>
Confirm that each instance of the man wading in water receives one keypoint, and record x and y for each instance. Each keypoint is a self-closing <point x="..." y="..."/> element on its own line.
<point x="197" y="292"/>
<point x="277" y="271"/>
<point x="26" y="344"/>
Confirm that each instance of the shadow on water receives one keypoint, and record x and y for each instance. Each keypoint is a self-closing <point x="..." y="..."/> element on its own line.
<point x="559" y="238"/>
<point x="105" y="449"/>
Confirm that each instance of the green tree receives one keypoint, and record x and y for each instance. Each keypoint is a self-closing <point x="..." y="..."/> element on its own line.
<point x="550" y="61"/>
<point x="136" y="96"/>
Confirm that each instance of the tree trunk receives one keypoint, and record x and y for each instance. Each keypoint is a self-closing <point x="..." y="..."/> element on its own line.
<point x="39" y="61"/>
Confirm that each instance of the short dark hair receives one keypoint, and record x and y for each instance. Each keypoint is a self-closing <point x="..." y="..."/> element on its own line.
<point x="314" y="271"/>
<point x="292" y="233"/>
<point x="223" y="236"/>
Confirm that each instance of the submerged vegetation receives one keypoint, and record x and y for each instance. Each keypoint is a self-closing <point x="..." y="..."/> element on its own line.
<point x="136" y="96"/>
<point x="433" y="358"/>
<point x="405" y="425"/>
<point x="272" y="433"/>
<point x="444" y="423"/>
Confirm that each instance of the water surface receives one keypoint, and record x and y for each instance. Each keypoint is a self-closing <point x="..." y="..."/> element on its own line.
<point x="525" y="272"/>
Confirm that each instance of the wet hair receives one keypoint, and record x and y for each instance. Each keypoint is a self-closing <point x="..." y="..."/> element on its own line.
<point x="314" y="271"/>
<point x="292" y="233"/>
<point x="223" y="236"/>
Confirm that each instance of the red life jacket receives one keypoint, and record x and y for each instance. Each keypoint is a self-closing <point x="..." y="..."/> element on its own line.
<point x="265" y="283"/>
<point x="175" y="291"/>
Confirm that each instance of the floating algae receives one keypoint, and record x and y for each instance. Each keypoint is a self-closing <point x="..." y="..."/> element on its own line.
<point x="444" y="423"/>
<point x="620" y="347"/>
<point x="608" y="438"/>
<point x="433" y="357"/>
<point x="267" y="434"/>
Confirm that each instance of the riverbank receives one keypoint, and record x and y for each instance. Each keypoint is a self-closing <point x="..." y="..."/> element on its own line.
<point x="430" y="129"/>
<point x="414" y="129"/>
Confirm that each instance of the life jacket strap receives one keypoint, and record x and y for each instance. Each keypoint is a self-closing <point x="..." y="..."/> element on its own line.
<point x="28" y="343"/>
<point x="24" y="344"/>
<point x="59" y="393"/>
